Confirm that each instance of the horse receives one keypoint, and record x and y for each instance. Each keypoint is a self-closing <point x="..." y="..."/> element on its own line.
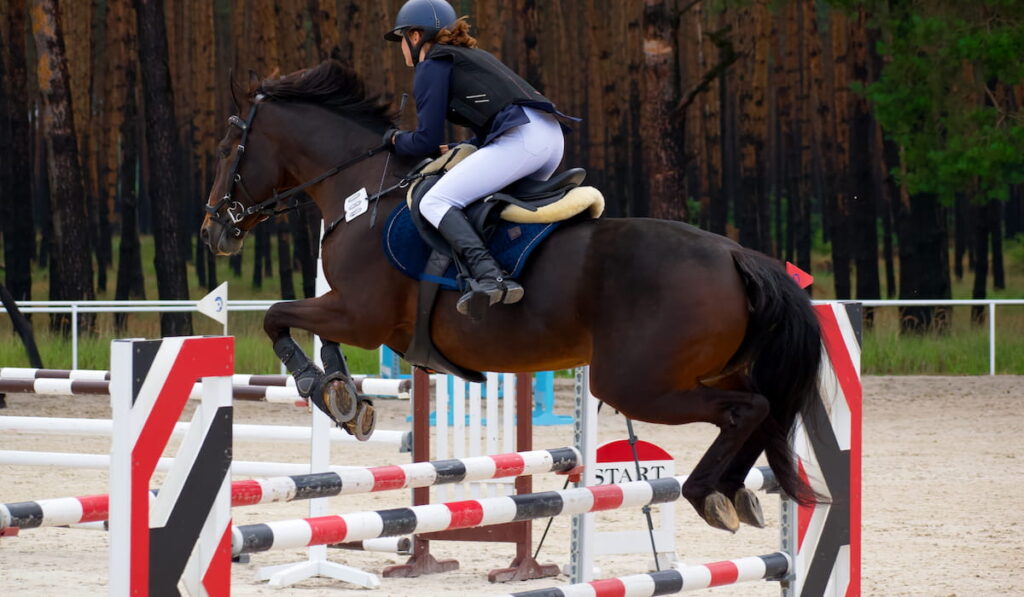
<point x="678" y="325"/>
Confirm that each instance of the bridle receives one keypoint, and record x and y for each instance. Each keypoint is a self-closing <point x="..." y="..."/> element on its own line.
<point x="236" y="211"/>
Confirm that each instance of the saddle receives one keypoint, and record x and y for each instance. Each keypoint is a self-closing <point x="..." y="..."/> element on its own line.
<point x="526" y="201"/>
<point x="559" y="199"/>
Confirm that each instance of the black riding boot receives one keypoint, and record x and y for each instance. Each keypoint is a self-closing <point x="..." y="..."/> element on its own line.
<point x="488" y="284"/>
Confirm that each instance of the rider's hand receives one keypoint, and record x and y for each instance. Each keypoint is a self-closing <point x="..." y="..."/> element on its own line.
<point x="443" y="148"/>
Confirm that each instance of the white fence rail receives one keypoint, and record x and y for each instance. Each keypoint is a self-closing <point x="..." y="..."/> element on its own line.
<point x="76" y="307"/>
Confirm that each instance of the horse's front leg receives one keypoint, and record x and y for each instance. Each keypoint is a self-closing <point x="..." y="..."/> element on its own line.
<point x="332" y="390"/>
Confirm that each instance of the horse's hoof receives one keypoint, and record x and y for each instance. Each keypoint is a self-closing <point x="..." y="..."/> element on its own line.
<point x="365" y="421"/>
<point x="341" y="399"/>
<point x="748" y="507"/>
<point x="720" y="513"/>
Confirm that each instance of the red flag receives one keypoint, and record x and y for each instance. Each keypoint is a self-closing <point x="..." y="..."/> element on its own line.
<point x="802" y="278"/>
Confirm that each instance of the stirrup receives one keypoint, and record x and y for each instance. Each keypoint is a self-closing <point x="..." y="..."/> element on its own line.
<point x="513" y="292"/>
<point x="476" y="299"/>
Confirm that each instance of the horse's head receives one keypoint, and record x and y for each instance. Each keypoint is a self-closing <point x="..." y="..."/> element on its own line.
<point x="248" y="171"/>
<point x="305" y="119"/>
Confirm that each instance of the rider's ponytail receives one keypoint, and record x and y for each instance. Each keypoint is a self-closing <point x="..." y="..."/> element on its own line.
<point x="457" y="35"/>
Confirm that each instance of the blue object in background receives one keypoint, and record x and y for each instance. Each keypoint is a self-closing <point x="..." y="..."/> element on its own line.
<point x="543" y="391"/>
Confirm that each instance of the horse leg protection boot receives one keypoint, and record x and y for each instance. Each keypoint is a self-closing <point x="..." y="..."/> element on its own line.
<point x="488" y="285"/>
<point x="306" y="374"/>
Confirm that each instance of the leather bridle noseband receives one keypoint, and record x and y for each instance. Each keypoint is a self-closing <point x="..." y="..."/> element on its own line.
<point x="236" y="211"/>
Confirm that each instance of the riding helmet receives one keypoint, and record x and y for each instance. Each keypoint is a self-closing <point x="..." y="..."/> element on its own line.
<point x="430" y="16"/>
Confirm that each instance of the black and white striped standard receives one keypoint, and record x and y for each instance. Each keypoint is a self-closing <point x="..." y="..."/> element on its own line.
<point x="773" y="566"/>
<point x="452" y="515"/>
<point x="179" y="536"/>
<point x="369" y="386"/>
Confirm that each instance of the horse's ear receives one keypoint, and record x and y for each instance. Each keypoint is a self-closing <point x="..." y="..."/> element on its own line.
<point x="234" y="90"/>
<point x="254" y="82"/>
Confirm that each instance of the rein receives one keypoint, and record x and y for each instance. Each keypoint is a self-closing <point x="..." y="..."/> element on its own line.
<point x="236" y="211"/>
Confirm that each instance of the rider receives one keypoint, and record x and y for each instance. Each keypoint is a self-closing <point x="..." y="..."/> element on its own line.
<point x="515" y="129"/>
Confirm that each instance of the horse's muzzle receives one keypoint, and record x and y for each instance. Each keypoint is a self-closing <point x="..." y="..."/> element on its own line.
<point x="218" y="240"/>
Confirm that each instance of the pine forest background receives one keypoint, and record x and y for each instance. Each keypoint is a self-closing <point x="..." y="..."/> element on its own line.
<point x="878" y="144"/>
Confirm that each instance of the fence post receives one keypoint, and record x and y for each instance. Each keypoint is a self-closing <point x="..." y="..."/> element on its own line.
<point x="992" y="338"/>
<point x="74" y="336"/>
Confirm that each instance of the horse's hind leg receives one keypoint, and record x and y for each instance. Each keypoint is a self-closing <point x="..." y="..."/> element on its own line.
<point x="732" y="482"/>
<point x="737" y="414"/>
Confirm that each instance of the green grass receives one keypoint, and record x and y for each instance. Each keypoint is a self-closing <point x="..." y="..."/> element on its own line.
<point x="963" y="351"/>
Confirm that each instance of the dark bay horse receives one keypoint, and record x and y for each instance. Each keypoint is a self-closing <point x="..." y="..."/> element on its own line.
<point x="678" y="325"/>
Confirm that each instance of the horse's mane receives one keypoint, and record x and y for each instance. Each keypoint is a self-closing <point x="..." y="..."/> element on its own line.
<point x="333" y="85"/>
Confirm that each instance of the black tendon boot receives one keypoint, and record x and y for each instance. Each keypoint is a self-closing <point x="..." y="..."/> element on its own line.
<point x="307" y="375"/>
<point x="488" y="284"/>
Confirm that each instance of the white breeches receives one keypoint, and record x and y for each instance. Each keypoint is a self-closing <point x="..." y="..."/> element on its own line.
<point x="531" y="150"/>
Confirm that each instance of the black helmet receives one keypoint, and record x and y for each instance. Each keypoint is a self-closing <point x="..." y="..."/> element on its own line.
<point x="428" y="15"/>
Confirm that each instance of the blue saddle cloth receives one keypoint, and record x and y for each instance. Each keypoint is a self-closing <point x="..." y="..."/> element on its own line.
<point x="510" y="244"/>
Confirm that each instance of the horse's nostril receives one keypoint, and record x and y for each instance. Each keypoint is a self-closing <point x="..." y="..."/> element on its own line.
<point x="204" y="234"/>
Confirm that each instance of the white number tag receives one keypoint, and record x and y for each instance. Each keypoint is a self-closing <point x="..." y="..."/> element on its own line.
<point x="356" y="205"/>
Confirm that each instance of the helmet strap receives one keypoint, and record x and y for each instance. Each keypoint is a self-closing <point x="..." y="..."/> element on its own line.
<point x="414" y="49"/>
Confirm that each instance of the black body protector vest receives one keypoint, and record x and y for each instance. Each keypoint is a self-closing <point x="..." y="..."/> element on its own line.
<point x="481" y="86"/>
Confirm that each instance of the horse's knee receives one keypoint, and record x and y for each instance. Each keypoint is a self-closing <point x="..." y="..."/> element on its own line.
<point x="273" y="322"/>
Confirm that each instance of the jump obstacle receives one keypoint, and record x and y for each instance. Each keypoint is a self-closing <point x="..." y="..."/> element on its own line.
<point x="354" y="480"/>
<point x="836" y="342"/>
<point x="456" y="515"/>
<point x="773" y="566"/>
<point x="268" y="388"/>
<point x="822" y="542"/>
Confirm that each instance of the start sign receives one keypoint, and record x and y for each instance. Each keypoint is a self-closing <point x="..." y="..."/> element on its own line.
<point x="615" y="464"/>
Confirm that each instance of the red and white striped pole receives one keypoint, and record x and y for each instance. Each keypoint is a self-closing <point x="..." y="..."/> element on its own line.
<point x="452" y="515"/>
<point x="95" y="508"/>
<point x="772" y="566"/>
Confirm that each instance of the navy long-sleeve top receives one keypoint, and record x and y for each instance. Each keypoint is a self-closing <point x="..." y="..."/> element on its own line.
<point x="430" y="87"/>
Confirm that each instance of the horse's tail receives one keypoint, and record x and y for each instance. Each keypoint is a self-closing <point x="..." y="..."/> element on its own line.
<point x="783" y="345"/>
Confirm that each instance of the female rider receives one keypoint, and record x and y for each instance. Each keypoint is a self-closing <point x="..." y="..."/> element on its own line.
<point x="515" y="129"/>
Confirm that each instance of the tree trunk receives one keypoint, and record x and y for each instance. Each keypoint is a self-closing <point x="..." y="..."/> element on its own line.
<point x="715" y="127"/>
<point x="840" y="207"/>
<point x="803" y="136"/>
<point x="961" y="232"/>
<point x="1015" y="212"/>
<point x="862" y="201"/>
<point x="162" y="154"/>
<point x="18" y="225"/>
<point x="753" y="211"/>
<point x="67" y="196"/>
<point x="306" y="233"/>
<point x="995" y="228"/>
<point x="887" y="190"/>
<point x="979" y="215"/>
<point x="662" y="141"/>
<point x="924" y="261"/>
<point x="284" y="258"/>
<point x="130" y="282"/>
<point x="262" y="238"/>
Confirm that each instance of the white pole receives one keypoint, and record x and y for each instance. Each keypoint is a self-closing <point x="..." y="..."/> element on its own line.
<point x="991" y="338"/>
<point x="119" y="463"/>
<point x="316" y="563"/>
<point x="581" y="563"/>
<point x="74" y="336"/>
